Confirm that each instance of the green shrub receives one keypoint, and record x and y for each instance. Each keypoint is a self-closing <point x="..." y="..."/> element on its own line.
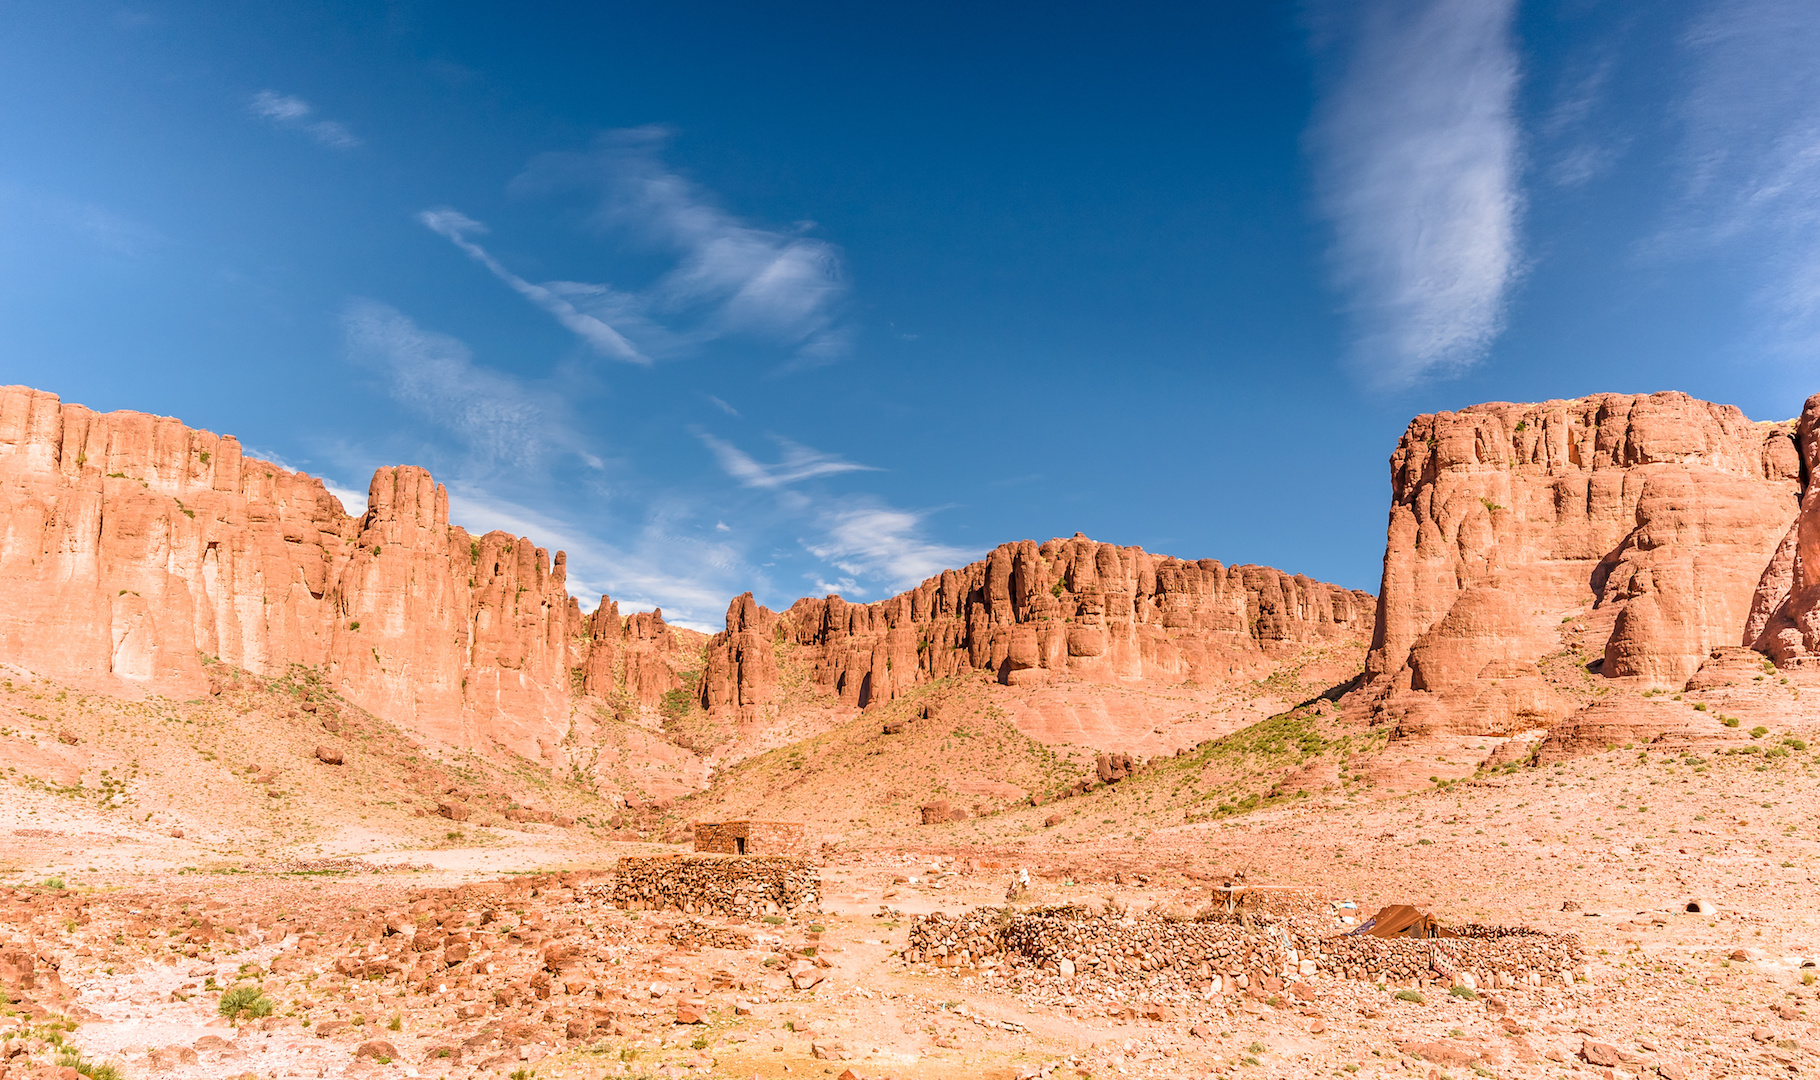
<point x="1730" y="721"/>
<point x="1466" y="992"/>
<point x="1758" y="732"/>
<point x="246" y="1001"/>
<point x="1411" y="995"/>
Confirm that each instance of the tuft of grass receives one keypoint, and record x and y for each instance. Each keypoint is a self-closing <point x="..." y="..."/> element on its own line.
<point x="1466" y="992"/>
<point x="1411" y="996"/>
<point x="246" y="1001"/>
<point x="70" y="1057"/>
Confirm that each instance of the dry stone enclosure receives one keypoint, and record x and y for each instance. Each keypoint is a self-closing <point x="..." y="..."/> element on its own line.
<point x="750" y="887"/>
<point x="1173" y="959"/>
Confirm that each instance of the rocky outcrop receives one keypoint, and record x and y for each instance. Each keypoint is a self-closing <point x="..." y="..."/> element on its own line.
<point x="1030" y="612"/>
<point x="1650" y="518"/>
<point x="136" y="546"/>
<point x="1785" y="611"/>
<point x="635" y="658"/>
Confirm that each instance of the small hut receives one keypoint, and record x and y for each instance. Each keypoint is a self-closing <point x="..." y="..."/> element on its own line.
<point x="1403" y="921"/>
<point x="750" y="837"/>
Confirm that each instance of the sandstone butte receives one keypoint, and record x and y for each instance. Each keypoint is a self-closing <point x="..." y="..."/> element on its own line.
<point x="1668" y="531"/>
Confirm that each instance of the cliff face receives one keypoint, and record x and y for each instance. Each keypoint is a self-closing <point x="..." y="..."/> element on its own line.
<point x="1785" y="611"/>
<point x="1650" y="517"/>
<point x="135" y="545"/>
<point x="1027" y="613"/>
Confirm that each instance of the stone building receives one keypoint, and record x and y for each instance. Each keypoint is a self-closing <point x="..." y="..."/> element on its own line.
<point x="751" y="837"/>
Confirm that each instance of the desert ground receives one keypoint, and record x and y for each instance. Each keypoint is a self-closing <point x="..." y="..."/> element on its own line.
<point x="159" y="857"/>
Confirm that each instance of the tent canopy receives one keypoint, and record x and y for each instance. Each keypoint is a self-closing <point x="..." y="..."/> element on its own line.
<point x="1404" y="921"/>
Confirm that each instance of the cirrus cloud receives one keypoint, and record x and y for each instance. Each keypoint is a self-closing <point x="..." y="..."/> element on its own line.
<point x="1416" y="155"/>
<point x="285" y="110"/>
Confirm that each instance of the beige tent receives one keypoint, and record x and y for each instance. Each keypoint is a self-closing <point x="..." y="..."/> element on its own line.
<point x="1404" y="921"/>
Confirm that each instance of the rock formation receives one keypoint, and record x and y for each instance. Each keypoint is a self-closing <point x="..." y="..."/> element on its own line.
<point x="1028" y="612"/>
<point x="1785" y="612"/>
<point x="135" y="546"/>
<point x="1650" y="517"/>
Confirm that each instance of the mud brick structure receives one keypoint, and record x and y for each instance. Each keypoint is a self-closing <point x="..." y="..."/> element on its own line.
<point x="750" y="887"/>
<point x="750" y="838"/>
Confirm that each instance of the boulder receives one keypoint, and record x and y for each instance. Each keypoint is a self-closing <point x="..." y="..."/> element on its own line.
<point x="376" y="1050"/>
<point x="328" y="755"/>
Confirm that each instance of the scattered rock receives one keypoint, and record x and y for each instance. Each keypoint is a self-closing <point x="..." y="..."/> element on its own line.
<point x="376" y="1050"/>
<point x="1600" y="1053"/>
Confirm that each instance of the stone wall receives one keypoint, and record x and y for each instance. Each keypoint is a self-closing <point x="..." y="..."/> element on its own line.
<point x="1171" y="959"/>
<point x="749" y="887"/>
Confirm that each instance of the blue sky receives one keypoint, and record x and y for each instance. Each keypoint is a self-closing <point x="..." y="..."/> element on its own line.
<point x="797" y="298"/>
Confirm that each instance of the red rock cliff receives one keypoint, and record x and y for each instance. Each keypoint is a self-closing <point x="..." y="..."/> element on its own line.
<point x="1027" y="612"/>
<point x="1785" y="612"/>
<point x="135" y="546"/>
<point x="1659" y="510"/>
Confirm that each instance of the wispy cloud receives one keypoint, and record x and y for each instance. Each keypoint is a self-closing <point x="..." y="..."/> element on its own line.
<point x="1751" y="155"/>
<point x="509" y="434"/>
<point x="106" y="231"/>
<point x="434" y="375"/>
<point x="657" y="567"/>
<point x="287" y="111"/>
<point x="866" y="539"/>
<point x="458" y="228"/>
<point x="798" y="463"/>
<point x="1580" y="153"/>
<point x="1416" y="156"/>
<point x="729" y="277"/>
<point x="861" y="536"/>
